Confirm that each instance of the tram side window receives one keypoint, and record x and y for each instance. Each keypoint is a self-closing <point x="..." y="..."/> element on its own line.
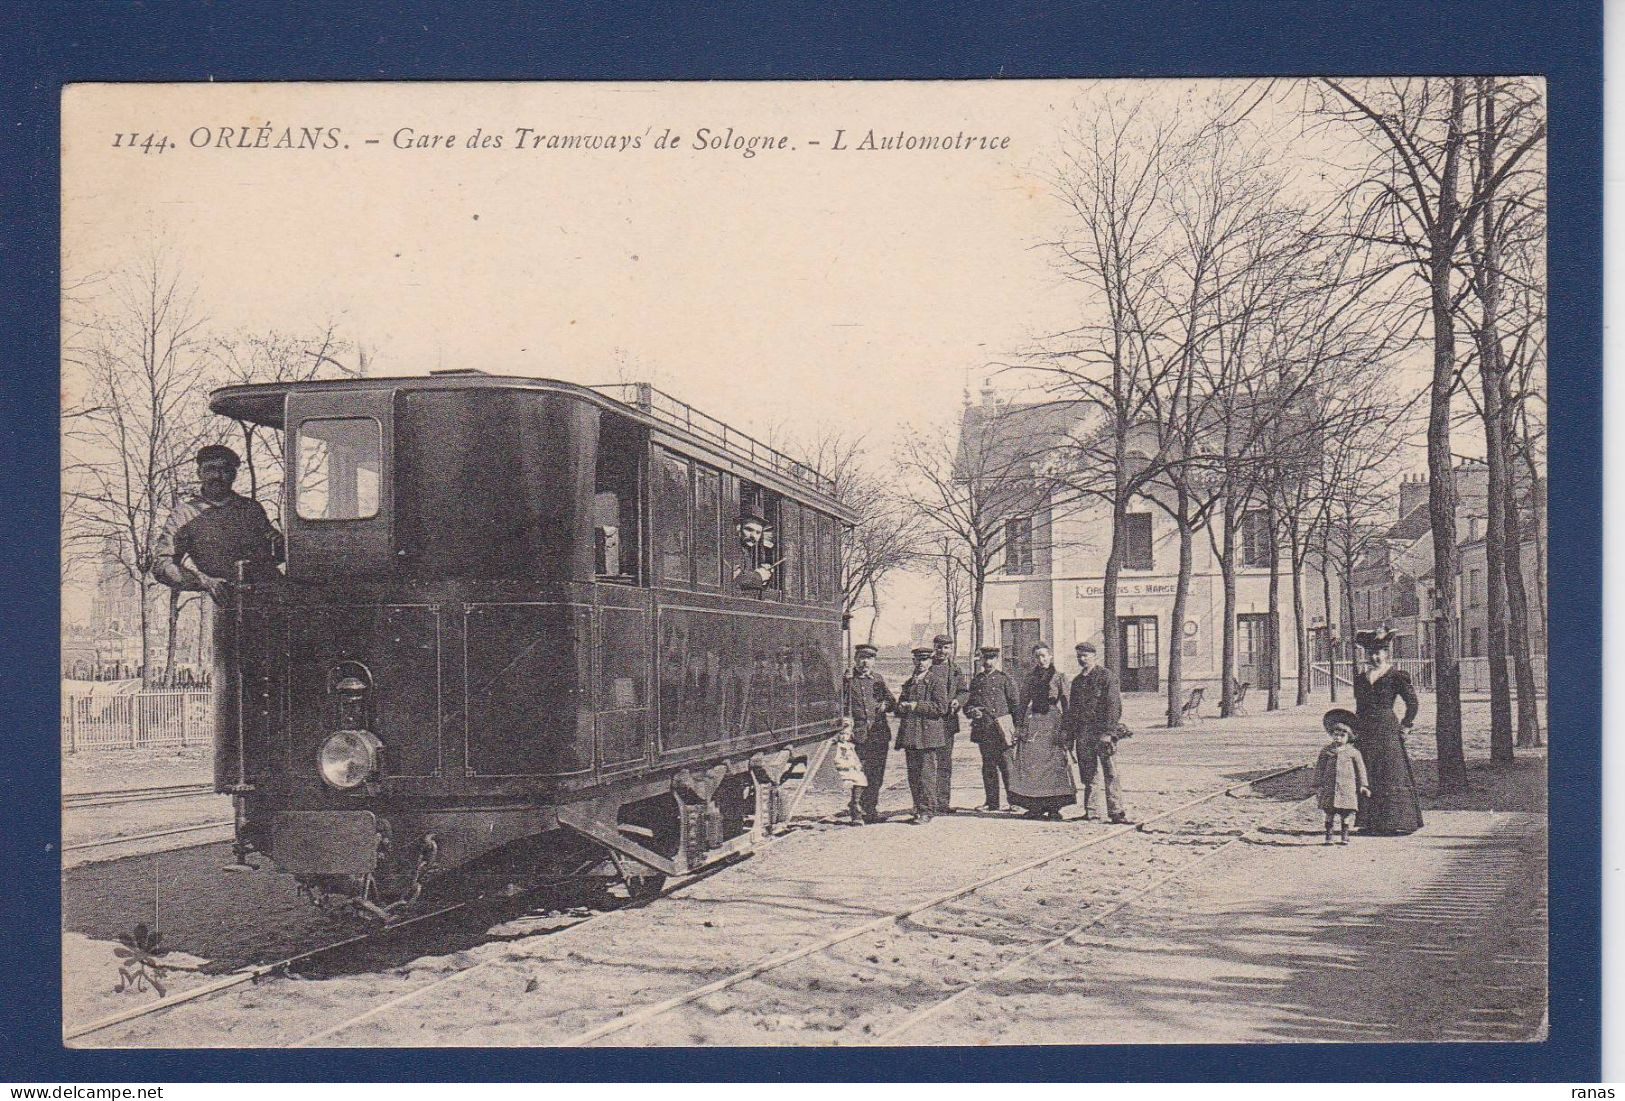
<point x="792" y="572"/>
<point x="707" y="534"/>
<point x="339" y="460"/>
<point x="759" y="533"/>
<point x="615" y="501"/>
<point x="673" y="556"/>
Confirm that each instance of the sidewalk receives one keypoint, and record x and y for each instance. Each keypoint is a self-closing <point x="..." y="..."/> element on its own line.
<point x="1440" y="936"/>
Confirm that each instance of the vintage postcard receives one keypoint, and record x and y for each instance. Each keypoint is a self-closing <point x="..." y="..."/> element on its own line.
<point x="826" y="563"/>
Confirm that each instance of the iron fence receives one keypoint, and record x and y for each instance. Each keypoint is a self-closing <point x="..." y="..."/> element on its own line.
<point x="156" y="719"/>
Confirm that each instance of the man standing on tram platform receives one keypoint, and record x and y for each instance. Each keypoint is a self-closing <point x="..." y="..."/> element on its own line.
<point x="869" y="701"/>
<point x="957" y="689"/>
<point x="214" y="529"/>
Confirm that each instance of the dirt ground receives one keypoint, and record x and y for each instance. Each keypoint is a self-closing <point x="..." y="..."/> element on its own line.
<point x="1437" y="936"/>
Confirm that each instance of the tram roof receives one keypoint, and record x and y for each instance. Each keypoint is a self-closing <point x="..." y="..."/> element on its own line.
<point x="264" y="403"/>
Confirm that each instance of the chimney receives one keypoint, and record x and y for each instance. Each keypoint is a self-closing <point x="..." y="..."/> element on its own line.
<point x="1413" y="491"/>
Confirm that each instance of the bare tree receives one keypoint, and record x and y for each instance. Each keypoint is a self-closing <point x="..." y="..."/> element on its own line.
<point x="887" y="536"/>
<point x="129" y="450"/>
<point x="1511" y="219"/>
<point x="1412" y="199"/>
<point x="965" y="491"/>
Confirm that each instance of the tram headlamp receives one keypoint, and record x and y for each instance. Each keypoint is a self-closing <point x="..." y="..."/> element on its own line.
<point x="347" y="758"/>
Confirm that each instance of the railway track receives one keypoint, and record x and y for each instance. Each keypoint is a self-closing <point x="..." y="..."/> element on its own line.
<point x="152" y="835"/>
<point x="119" y="796"/>
<point x="894" y="923"/>
<point x="649" y="1012"/>
<point x="1206" y="841"/>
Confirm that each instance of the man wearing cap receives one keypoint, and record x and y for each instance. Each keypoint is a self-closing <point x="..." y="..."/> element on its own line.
<point x="946" y="669"/>
<point x="1093" y="712"/>
<point x="215" y="528"/>
<point x="922" y="707"/>
<point x="869" y="700"/>
<point x="993" y="696"/>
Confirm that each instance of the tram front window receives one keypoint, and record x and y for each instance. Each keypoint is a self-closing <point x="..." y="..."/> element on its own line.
<point x="339" y="460"/>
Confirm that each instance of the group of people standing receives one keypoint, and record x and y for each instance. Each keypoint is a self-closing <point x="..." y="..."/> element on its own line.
<point x="1028" y="734"/>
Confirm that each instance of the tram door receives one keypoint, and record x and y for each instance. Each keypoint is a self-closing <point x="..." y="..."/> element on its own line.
<point x="1017" y="637"/>
<point x="1138" y="649"/>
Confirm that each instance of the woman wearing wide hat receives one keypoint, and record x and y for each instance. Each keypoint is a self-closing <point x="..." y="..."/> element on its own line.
<point x="1392" y="807"/>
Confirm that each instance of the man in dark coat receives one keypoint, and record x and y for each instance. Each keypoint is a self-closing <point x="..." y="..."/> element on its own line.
<point x="869" y="700"/>
<point x="922" y="708"/>
<point x="944" y="667"/>
<point x="1093" y="713"/>
<point x="202" y="541"/>
<point x="992" y="695"/>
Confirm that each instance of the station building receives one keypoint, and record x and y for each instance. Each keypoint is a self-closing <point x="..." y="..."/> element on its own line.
<point x="1049" y="587"/>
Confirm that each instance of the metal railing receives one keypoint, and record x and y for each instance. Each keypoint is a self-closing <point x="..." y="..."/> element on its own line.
<point x="137" y="720"/>
<point x="1475" y="674"/>
<point x="679" y="414"/>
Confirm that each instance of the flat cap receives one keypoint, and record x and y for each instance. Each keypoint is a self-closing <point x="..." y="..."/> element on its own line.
<point x="923" y="651"/>
<point x="991" y="651"/>
<point x="218" y="451"/>
<point x="942" y="640"/>
<point x="1085" y="647"/>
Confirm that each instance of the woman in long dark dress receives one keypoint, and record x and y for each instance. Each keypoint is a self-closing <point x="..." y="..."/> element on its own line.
<point x="1040" y="771"/>
<point x="1392" y="807"/>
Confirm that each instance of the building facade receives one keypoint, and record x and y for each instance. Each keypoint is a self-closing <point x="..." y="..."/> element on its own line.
<point x="1049" y="587"/>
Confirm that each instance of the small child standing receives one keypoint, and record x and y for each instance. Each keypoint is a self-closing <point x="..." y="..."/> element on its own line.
<point x="1340" y="775"/>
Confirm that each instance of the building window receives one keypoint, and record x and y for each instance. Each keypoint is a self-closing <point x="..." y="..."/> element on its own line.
<point x="1255" y="537"/>
<point x="1474" y="588"/>
<point x="1018" y="545"/>
<point x="1475" y="643"/>
<point x="1137" y="541"/>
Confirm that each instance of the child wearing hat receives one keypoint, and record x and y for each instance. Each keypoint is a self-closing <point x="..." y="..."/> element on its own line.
<point x="1340" y="776"/>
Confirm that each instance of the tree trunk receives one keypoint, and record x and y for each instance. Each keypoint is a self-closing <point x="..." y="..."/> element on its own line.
<point x="1108" y="591"/>
<point x="1299" y="630"/>
<point x="143" y="587"/>
<point x="174" y="619"/>
<point x="1227" y="571"/>
<point x="1452" y="763"/>
<point x="1176" y="618"/>
<point x="1529" y="733"/>
<point x="978" y="587"/>
<point x="1326" y="602"/>
<point x="1272" y="698"/>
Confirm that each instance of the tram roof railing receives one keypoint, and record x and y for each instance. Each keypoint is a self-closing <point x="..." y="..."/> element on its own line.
<point x="679" y="414"/>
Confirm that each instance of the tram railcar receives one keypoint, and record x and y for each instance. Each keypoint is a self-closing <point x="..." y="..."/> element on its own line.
<point x="522" y="621"/>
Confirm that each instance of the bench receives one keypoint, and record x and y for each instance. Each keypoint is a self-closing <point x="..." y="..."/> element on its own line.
<point x="1193" y="703"/>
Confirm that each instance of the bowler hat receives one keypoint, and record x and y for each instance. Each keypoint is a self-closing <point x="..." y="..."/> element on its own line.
<point x="1339" y="716"/>
<point x="215" y="451"/>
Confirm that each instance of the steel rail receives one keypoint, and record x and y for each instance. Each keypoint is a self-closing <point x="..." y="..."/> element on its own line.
<point x="110" y="842"/>
<point x="249" y="974"/>
<point x="927" y="1012"/>
<point x="134" y="795"/>
<point x="650" y="1012"/>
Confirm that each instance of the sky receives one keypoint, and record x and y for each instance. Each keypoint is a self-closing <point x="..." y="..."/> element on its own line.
<point x="811" y="285"/>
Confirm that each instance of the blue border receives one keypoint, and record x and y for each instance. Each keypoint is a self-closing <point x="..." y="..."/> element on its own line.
<point x="49" y="45"/>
